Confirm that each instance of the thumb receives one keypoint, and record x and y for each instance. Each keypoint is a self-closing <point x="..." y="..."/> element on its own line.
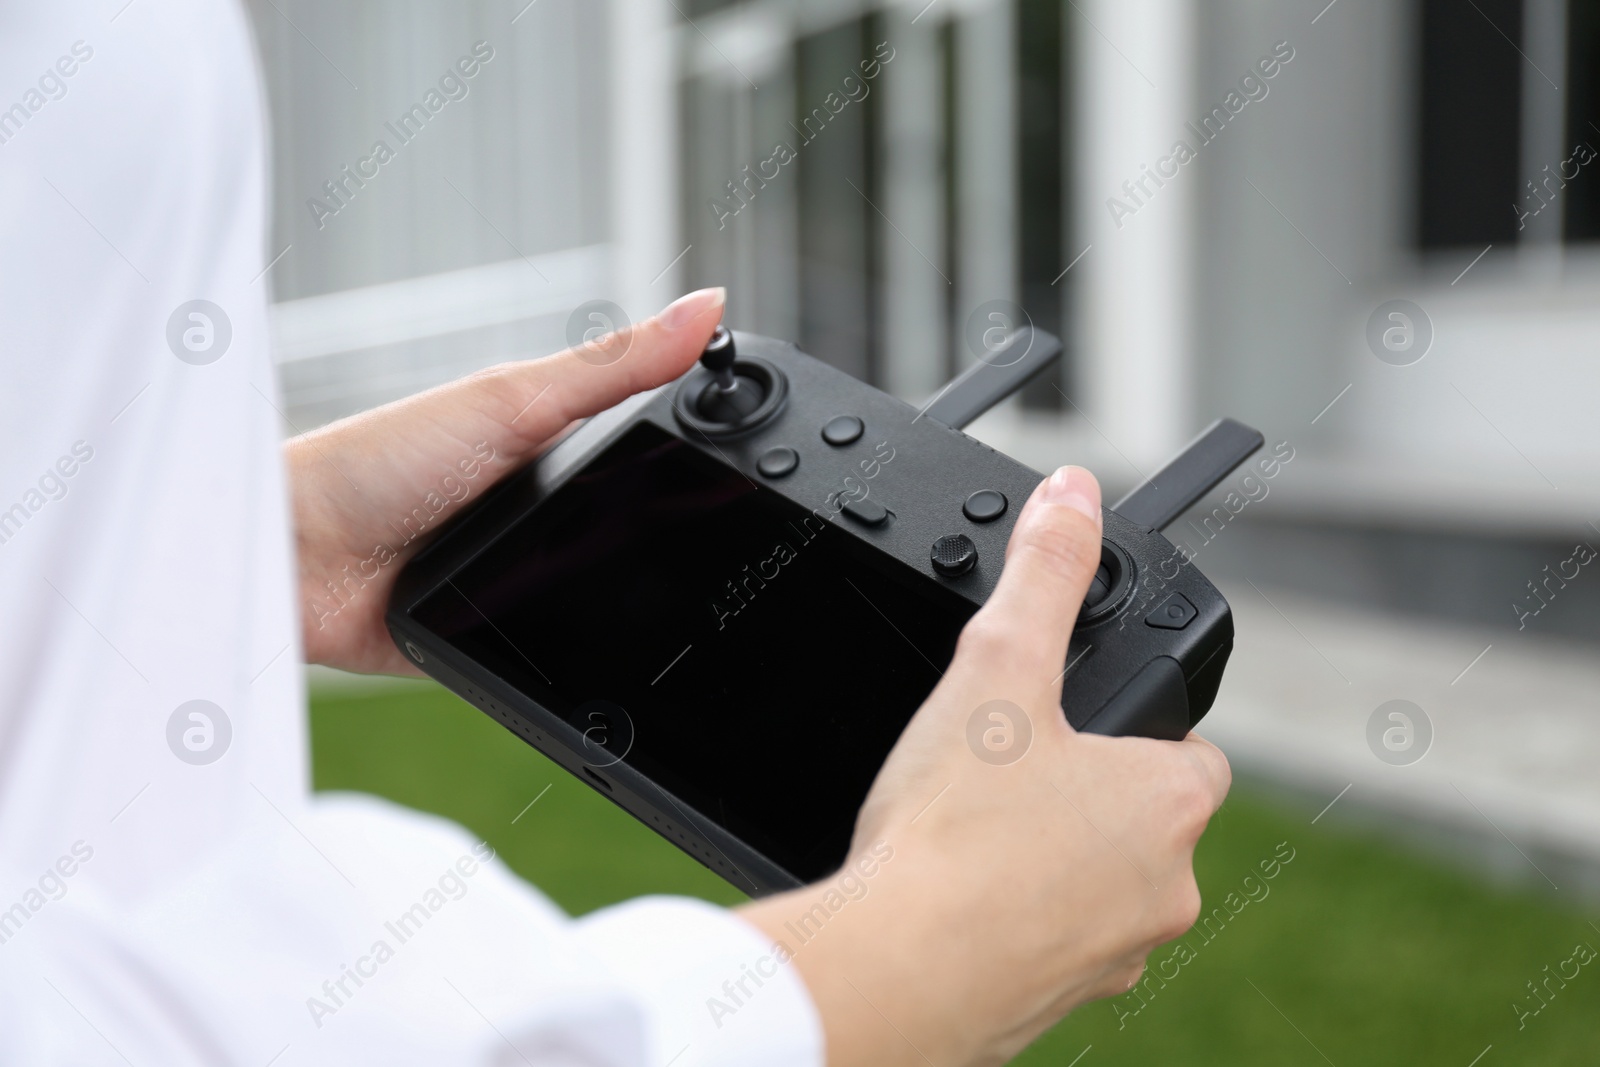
<point x="535" y="399"/>
<point x="1052" y="556"/>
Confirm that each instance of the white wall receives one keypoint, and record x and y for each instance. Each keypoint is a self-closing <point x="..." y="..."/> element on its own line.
<point x="1281" y="314"/>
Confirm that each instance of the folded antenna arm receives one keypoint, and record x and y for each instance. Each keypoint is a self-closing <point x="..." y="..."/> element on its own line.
<point x="997" y="375"/>
<point x="1190" y="475"/>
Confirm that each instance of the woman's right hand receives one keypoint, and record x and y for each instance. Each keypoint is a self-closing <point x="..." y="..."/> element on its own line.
<point x="1001" y="895"/>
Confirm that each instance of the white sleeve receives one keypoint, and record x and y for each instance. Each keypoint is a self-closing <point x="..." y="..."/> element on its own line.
<point x="714" y="991"/>
<point x="365" y="933"/>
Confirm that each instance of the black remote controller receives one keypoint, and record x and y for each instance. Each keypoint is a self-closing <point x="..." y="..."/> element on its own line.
<point x="720" y="602"/>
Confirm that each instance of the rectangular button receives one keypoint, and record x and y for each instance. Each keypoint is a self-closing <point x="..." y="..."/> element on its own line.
<point x="867" y="512"/>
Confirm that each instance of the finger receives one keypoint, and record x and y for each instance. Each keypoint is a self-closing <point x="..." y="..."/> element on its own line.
<point x="1213" y="767"/>
<point x="1050" y="560"/>
<point x="535" y="399"/>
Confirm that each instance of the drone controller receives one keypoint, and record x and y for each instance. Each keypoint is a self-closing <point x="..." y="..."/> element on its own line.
<point x="720" y="602"/>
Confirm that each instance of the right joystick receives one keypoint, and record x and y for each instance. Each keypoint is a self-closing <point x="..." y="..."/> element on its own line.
<point x="1110" y="586"/>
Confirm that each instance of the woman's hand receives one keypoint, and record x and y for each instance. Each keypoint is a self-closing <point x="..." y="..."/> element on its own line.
<point x="984" y="900"/>
<point x="367" y="489"/>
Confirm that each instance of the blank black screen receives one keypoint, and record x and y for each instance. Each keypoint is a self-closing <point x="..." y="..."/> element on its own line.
<point x="765" y="659"/>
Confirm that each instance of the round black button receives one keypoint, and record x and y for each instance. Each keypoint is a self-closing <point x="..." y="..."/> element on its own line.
<point x="777" y="462"/>
<point x="986" y="505"/>
<point x="953" y="555"/>
<point x="842" y="430"/>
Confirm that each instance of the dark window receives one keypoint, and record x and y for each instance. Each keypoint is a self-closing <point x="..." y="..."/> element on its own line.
<point x="1041" y="193"/>
<point x="838" y="225"/>
<point x="806" y="255"/>
<point x="1470" y="130"/>
<point x="1582" y="221"/>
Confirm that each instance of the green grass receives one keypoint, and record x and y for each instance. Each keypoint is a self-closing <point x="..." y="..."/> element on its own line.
<point x="1359" y="952"/>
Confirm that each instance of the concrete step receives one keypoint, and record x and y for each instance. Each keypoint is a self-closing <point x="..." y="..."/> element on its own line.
<point x="1512" y="776"/>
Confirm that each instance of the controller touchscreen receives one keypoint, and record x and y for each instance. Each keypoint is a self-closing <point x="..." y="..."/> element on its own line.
<point x="658" y="601"/>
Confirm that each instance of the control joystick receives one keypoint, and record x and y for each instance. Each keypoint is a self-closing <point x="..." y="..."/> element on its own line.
<point x="726" y="395"/>
<point x="719" y="356"/>
<point x="731" y="396"/>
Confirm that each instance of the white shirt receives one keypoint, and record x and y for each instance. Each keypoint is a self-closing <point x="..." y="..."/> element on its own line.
<point x="158" y="910"/>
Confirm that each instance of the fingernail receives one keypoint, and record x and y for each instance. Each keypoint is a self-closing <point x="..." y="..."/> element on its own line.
<point x="686" y="309"/>
<point x="1077" y="489"/>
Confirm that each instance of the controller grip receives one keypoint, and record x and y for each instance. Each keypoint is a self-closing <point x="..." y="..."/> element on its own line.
<point x="1154" y="703"/>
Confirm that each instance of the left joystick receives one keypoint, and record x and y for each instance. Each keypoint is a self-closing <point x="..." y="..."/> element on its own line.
<point x="718" y="359"/>
<point x="730" y="397"/>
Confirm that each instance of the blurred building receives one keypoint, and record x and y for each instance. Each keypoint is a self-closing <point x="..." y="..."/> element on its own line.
<point x="1215" y="203"/>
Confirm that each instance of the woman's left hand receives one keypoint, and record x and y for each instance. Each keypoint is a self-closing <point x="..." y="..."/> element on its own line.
<point x="368" y="489"/>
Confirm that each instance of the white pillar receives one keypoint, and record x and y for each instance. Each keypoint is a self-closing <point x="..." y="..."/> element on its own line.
<point x="644" y="165"/>
<point x="1134" y="70"/>
<point x="917" y="286"/>
<point x="986" y="162"/>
